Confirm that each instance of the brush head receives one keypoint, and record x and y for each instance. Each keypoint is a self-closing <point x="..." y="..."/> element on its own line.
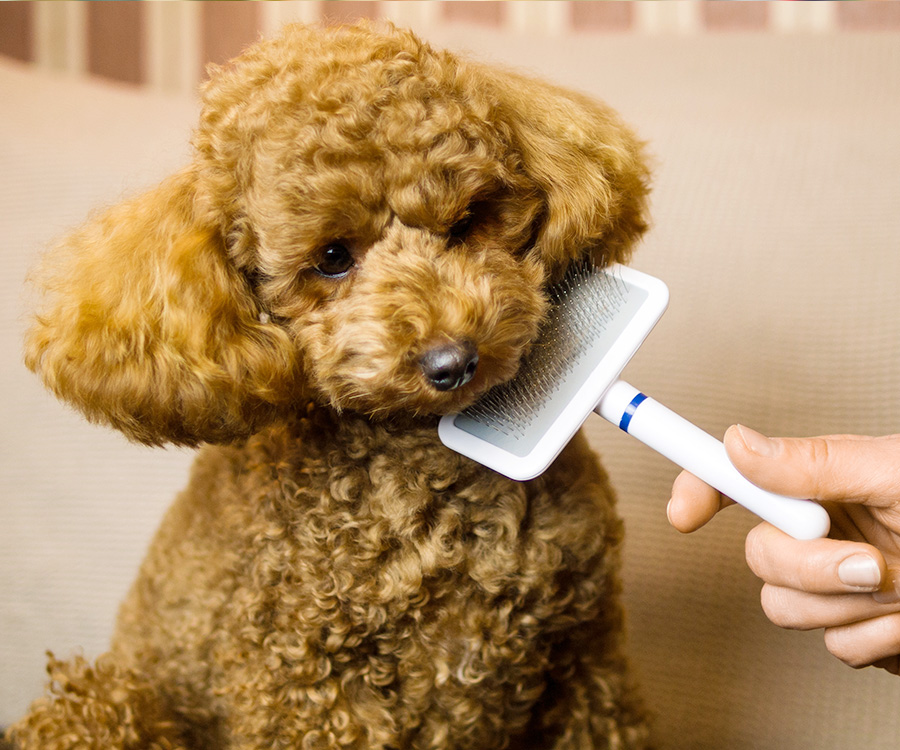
<point x="597" y="321"/>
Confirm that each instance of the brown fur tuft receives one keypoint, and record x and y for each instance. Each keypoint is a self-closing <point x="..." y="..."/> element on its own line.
<point x="149" y="327"/>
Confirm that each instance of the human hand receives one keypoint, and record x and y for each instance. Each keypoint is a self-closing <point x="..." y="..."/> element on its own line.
<point x="849" y="583"/>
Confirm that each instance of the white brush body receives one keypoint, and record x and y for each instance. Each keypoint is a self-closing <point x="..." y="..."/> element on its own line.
<point x="705" y="457"/>
<point x="598" y="321"/>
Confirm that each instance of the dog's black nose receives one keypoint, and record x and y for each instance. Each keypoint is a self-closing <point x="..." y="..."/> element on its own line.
<point x="450" y="366"/>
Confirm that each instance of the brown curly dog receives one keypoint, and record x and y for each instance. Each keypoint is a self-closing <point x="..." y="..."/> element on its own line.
<point x="361" y="243"/>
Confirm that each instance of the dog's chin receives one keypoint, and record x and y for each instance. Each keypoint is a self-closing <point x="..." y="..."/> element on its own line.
<point x="417" y="400"/>
<point x="379" y="406"/>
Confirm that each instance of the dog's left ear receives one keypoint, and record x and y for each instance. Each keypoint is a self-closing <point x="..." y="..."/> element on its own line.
<point x="588" y="165"/>
<point x="148" y="326"/>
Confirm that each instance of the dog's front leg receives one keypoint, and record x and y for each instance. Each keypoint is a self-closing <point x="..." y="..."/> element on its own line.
<point x="100" y="706"/>
<point x="589" y="702"/>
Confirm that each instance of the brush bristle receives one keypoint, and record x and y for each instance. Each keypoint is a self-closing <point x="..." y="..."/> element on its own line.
<point x="583" y="304"/>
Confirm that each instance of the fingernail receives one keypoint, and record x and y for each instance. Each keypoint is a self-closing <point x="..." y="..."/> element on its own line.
<point x="860" y="571"/>
<point x="757" y="443"/>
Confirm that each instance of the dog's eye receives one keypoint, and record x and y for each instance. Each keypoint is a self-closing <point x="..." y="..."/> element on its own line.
<point x="336" y="261"/>
<point x="460" y="230"/>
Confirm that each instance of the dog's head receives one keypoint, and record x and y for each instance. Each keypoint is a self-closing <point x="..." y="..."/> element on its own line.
<point x="367" y="223"/>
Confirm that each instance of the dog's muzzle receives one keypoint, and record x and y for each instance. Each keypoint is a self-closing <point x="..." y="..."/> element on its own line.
<point x="449" y="366"/>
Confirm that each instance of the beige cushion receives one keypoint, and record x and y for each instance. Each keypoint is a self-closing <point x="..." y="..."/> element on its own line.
<point x="777" y="228"/>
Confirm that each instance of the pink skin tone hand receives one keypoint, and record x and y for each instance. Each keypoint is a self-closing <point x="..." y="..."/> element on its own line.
<point x="847" y="584"/>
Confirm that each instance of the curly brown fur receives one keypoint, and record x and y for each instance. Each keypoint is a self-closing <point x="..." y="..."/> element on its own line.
<point x="333" y="576"/>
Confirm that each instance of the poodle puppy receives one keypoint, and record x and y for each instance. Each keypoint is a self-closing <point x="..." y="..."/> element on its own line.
<point x="361" y="243"/>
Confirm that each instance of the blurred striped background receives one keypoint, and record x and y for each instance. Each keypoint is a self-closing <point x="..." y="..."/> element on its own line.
<point x="166" y="45"/>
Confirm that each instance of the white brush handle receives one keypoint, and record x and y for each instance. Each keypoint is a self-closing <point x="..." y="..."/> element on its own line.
<point x="705" y="457"/>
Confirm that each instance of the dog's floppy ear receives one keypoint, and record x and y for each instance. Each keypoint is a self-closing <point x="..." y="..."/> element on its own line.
<point x="588" y="165"/>
<point x="148" y="326"/>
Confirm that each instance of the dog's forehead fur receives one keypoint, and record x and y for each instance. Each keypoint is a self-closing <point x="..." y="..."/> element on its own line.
<point x="346" y="141"/>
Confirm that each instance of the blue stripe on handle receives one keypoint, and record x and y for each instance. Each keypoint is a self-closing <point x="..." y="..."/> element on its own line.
<point x="630" y="410"/>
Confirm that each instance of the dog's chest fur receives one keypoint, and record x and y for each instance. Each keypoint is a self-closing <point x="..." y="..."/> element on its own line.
<point x="370" y="567"/>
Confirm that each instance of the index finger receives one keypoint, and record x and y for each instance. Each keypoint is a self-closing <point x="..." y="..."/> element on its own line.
<point x="845" y="468"/>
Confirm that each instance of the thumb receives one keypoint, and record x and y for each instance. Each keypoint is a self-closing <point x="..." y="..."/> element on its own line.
<point x="845" y="468"/>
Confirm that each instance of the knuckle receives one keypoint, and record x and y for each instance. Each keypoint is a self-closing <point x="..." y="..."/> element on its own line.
<point x="819" y="450"/>
<point x="820" y="457"/>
